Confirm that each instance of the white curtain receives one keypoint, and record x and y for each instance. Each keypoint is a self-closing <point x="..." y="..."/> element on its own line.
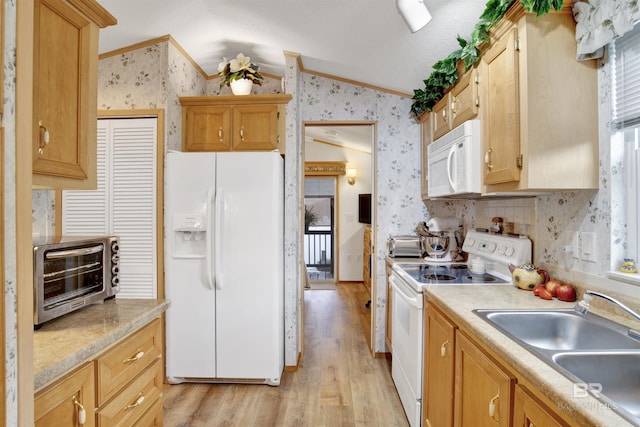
<point x="598" y="22"/>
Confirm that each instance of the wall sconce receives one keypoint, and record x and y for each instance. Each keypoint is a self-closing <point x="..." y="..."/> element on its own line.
<point x="351" y="176"/>
<point x="414" y="12"/>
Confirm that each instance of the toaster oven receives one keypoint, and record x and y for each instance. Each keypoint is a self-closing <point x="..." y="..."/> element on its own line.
<point x="408" y="246"/>
<point x="72" y="272"/>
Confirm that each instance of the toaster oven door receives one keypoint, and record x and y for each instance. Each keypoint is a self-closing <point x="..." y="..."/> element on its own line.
<point x="69" y="274"/>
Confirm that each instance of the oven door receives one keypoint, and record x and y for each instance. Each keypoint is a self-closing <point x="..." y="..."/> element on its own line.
<point x="406" y="330"/>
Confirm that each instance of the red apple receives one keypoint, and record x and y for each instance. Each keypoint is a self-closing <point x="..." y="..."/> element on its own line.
<point x="566" y="293"/>
<point x="545" y="294"/>
<point x="552" y="286"/>
<point x="536" y="290"/>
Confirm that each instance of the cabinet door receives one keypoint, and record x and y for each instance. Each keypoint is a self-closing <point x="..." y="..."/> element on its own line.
<point x="499" y="81"/>
<point x="439" y="351"/>
<point x="255" y="128"/>
<point x="65" y="96"/>
<point x="206" y="128"/>
<point x="464" y="99"/>
<point x="55" y="406"/>
<point x="529" y="412"/>
<point x="441" y="117"/>
<point x="483" y="390"/>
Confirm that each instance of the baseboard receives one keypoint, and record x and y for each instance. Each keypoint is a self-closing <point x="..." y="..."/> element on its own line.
<point x="382" y="355"/>
<point x="294" y="368"/>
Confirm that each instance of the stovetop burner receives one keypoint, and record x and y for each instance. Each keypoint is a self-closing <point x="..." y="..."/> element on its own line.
<point x="447" y="274"/>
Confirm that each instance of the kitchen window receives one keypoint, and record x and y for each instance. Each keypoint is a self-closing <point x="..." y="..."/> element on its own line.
<point x="625" y="61"/>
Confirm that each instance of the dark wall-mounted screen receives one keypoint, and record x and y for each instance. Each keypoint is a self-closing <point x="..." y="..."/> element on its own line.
<point x="364" y="208"/>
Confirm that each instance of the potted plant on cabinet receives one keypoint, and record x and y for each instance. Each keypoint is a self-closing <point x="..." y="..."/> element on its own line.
<point x="239" y="74"/>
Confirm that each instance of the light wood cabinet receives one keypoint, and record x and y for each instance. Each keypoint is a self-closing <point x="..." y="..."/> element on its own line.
<point x="60" y="404"/>
<point x="457" y="106"/>
<point x="483" y="389"/>
<point x="439" y="369"/>
<point x="366" y="258"/>
<point x="528" y="411"/>
<point x="122" y="386"/>
<point x="65" y="64"/>
<point x="538" y="106"/>
<point x="234" y="123"/>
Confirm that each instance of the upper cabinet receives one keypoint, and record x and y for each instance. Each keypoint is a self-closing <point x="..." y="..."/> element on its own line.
<point x="65" y="79"/>
<point x="538" y="106"/>
<point x="234" y="123"/>
<point x="457" y="106"/>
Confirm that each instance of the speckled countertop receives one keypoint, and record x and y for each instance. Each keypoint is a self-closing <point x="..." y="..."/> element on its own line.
<point x="71" y="340"/>
<point x="460" y="301"/>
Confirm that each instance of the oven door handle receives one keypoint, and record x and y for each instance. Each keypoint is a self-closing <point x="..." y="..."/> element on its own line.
<point x="415" y="302"/>
<point x="74" y="252"/>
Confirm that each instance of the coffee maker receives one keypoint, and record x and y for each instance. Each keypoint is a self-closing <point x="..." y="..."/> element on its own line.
<point x="441" y="239"/>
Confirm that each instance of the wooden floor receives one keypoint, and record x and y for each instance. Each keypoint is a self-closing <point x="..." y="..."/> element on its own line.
<point x="339" y="383"/>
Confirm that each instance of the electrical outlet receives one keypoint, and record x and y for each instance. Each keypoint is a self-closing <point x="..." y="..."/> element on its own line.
<point x="589" y="246"/>
<point x="577" y="247"/>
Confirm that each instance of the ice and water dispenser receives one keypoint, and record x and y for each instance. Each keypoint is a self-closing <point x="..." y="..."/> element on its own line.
<point x="189" y="236"/>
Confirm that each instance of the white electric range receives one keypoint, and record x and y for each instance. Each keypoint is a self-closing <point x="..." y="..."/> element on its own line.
<point x="407" y="281"/>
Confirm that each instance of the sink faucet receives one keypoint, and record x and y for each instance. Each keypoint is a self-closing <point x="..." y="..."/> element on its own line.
<point x="583" y="307"/>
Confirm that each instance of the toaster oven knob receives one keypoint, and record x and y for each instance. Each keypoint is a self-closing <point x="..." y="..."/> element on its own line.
<point x="115" y="259"/>
<point x="115" y="247"/>
<point x="115" y="281"/>
<point x="115" y="269"/>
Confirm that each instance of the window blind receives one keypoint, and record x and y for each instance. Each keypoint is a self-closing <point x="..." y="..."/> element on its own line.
<point x="626" y="80"/>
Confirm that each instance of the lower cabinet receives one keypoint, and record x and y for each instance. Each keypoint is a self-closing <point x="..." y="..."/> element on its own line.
<point x="484" y="390"/>
<point x="68" y="402"/>
<point x="464" y="385"/>
<point x="528" y="411"/>
<point x="121" y="387"/>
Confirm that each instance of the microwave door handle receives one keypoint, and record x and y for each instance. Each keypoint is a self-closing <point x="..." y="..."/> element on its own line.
<point x="451" y="167"/>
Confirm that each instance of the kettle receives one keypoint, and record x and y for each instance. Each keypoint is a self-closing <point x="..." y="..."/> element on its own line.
<point x="528" y="276"/>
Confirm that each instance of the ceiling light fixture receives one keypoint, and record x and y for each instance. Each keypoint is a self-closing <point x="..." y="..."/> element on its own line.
<point x="415" y="13"/>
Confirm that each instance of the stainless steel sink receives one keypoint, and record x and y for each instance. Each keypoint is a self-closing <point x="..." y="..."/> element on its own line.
<point x="598" y="355"/>
<point x="560" y="329"/>
<point x="614" y="375"/>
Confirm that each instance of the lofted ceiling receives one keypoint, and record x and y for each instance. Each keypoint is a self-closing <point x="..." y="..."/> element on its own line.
<point x="362" y="40"/>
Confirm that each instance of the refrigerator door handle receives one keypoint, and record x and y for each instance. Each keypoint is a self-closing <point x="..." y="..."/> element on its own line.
<point x="209" y="266"/>
<point x="219" y="226"/>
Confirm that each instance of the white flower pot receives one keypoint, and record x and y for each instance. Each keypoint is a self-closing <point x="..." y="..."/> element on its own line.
<point x="241" y="87"/>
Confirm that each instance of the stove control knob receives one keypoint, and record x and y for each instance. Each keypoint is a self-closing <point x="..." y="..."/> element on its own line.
<point x="501" y="249"/>
<point x="489" y="247"/>
<point x="471" y="241"/>
<point x="509" y="251"/>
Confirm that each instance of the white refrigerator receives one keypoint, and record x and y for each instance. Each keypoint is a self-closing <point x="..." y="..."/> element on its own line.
<point x="224" y="261"/>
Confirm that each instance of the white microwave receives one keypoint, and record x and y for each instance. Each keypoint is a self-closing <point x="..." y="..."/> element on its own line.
<point x="454" y="162"/>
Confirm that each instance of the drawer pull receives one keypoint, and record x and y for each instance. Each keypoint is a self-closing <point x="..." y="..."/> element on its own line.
<point x="82" y="413"/>
<point x="220" y="133"/>
<point x="135" y="404"/>
<point x="492" y="406"/>
<point x="443" y="348"/>
<point x="138" y="356"/>
<point x="487" y="159"/>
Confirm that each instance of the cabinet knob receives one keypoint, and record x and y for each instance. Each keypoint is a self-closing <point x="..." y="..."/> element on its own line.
<point x="492" y="406"/>
<point x="135" y="404"/>
<point x="220" y="133"/>
<point x="82" y="413"/>
<point x="487" y="158"/>
<point x="44" y="140"/>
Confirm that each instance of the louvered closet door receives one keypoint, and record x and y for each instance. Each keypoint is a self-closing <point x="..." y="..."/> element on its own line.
<point x="125" y="202"/>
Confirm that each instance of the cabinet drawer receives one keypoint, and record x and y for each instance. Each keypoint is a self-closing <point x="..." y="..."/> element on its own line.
<point x="153" y="417"/>
<point x="123" y="362"/>
<point x="132" y="403"/>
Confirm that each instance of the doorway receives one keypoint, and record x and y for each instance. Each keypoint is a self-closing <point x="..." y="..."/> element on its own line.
<point x="320" y="229"/>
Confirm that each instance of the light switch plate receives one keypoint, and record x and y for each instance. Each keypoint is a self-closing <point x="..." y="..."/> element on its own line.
<point x="589" y="246"/>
